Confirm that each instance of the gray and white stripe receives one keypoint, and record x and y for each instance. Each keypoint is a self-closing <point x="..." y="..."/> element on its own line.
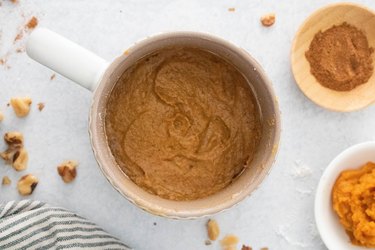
<point x="34" y="225"/>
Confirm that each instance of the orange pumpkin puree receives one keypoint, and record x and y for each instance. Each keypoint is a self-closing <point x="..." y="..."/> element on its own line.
<point x="353" y="199"/>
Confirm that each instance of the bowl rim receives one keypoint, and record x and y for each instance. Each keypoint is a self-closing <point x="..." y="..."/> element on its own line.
<point x="327" y="181"/>
<point x="162" y="211"/>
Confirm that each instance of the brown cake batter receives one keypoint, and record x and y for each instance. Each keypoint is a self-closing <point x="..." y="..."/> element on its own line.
<point x="182" y="123"/>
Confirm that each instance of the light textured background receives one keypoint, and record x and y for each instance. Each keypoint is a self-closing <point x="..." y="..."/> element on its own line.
<point x="278" y="215"/>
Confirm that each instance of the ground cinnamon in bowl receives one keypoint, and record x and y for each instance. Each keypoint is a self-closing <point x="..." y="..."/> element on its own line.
<point x="340" y="57"/>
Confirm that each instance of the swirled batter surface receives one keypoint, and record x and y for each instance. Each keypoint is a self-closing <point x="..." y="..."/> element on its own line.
<point x="182" y="123"/>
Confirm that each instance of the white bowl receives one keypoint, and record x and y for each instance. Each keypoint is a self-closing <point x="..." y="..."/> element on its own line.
<point x="329" y="227"/>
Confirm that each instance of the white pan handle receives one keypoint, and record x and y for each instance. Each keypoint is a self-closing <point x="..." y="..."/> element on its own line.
<point x="66" y="57"/>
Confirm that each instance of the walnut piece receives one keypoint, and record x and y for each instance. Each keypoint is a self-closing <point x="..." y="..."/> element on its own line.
<point x="16" y="154"/>
<point x="67" y="171"/>
<point x="21" y="105"/>
<point x="27" y="184"/>
<point x="6" y="181"/>
<point x="213" y="229"/>
<point x="229" y="242"/>
<point x="268" y="19"/>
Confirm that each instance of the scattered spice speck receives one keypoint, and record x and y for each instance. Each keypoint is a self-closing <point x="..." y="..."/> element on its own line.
<point x="53" y="76"/>
<point x="18" y="36"/>
<point x="154" y="223"/>
<point x="32" y="23"/>
<point x="41" y="106"/>
<point x="20" y="50"/>
<point x="207" y="242"/>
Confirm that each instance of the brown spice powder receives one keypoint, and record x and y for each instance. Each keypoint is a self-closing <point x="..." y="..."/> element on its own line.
<point x="340" y="57"/>
<point x="32" y="23"/>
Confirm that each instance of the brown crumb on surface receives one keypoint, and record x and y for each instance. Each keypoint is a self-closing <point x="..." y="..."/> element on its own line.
<point x="27" y="184"/>
<point x="268" y="19"/>
<point x="213" y="229"/>
<point x="231" y="9"/>
<point x="41" y="106"/>
<point x="18" y="36"/>
<point x="230" y="241"/>
<point x="126" y="52"/>
<point x="53" y="76"/>
<point x="2" y="61"/>
<point x="32" y="23"/>
<point x="6" y="181"/>
<point x="244" y="247"/>
<point x="1" y="116"/>
<point x="264" y="248"/>
<point x="67" y="171"/>
<point x="14" y="1"/>
<point x="207" y="242"/>
<point x="21" y="105"/>
<point x="20" y="50"/>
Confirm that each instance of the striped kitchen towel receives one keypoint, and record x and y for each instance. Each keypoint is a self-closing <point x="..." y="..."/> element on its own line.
<point x="35" y="225"/>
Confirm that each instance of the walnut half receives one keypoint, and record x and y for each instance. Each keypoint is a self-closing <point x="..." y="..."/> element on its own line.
<point x="67" y="171"/>
<point x="27" y="184"/>
<point x="21" y="105"/>
<point x="16" y="154"/>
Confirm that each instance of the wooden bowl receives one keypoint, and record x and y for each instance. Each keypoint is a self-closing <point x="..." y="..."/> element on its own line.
<point x="321" y="20"/>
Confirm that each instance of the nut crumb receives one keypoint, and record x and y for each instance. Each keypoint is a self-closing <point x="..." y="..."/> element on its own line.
<point x="67" y="171"/>
<point x="27" y="184"/>
<point x="6" y="181"/>
<point x="244" y="247"/>
<point x="16" y="154"/>
<point x="229" y="242"/>
<point x="21" y="105"/>
<point x="53" y="76"/>
<point x="231" y="9"/>
<point x="14" y="1"/>
<point x="213" y="229"/>
<point x="32" y="23"/>
<point x="264" y="248"/>
<point x="207" y="242"/>
<point x="1" y="116"/>
<point x="41" y="106"/>
<point x="268" y="19"/>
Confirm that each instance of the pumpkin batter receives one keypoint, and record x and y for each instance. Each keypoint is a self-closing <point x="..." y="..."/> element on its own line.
<point x="182" y="123"/>
<point x="353" y="197"/>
